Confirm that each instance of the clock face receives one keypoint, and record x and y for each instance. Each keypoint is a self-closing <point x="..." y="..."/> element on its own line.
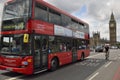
<point x="111" y="25"/>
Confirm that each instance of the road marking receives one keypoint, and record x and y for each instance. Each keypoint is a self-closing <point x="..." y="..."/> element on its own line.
<point x="14" y="78"/>
<point x="95" y="55"/>
<point x="108" y="64"/>
<point x="94" y="76"/>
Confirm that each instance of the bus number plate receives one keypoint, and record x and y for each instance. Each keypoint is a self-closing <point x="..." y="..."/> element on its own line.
<point x="9" y="69"/>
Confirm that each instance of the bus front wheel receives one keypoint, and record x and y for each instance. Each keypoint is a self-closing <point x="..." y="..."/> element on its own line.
<point x="54" y="64"/>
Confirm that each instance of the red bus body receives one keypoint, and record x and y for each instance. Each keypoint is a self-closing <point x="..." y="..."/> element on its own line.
<point x="25" y="64"/>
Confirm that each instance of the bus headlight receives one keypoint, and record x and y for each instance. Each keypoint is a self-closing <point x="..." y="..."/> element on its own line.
<point x="24" y="63"/>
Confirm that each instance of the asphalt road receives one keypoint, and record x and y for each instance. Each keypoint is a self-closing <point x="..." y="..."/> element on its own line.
<point x="95" y="67"/>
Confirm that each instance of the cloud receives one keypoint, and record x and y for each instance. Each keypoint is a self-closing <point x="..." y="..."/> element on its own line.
<point x="1" y="1"/>
<point x="67" y="5"/>
<point x="97" y="13"/>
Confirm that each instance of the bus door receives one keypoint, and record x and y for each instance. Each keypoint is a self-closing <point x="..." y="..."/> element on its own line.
<point x="41" y="53"/>
<point x="74" y="50"/>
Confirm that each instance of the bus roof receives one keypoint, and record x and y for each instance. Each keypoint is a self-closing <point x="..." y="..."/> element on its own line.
<point x="60" y="11"/>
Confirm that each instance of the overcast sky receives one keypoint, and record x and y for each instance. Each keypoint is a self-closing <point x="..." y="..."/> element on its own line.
<point x="95" y="12"/>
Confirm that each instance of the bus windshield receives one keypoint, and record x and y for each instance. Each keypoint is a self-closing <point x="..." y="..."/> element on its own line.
<point x="14" y="15"/>
<point x="14" y="44"/>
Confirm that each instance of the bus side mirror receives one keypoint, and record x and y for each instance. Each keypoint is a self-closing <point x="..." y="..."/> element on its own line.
<point x="26" y="38"/>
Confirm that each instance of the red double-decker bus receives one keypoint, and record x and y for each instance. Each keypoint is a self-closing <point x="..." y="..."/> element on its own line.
<point x="36" y="36"/>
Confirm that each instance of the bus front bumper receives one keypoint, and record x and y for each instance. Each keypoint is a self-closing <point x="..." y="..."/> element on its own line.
<point x="26" y="70"/>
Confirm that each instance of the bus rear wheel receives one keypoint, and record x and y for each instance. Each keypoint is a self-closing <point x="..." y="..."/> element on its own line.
<point x="54" y="64"/>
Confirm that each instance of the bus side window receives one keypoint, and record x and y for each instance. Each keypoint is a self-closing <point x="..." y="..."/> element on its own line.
<point x="51" y="44"/>
<point x="68" y="45"/>
<point x="62" y="47"/>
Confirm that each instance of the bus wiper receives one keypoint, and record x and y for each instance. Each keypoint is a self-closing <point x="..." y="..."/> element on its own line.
<point x="11" y="12"/>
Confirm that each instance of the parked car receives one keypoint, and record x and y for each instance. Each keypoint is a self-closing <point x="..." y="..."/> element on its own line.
<point x="114" y="47"/>
<point x="99" y="49"/>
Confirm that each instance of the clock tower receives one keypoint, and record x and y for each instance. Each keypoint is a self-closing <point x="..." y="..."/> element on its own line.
<point x="112" y="30"/>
